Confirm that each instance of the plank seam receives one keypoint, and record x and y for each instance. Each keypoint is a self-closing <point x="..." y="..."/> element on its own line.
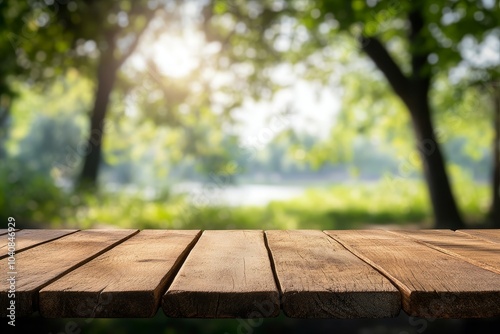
<point x="394" y="281"/>
<point x="36" y="306"/>
<point x="451" y="253"/>
<point x="6" y="232"/>
<point x="36" y="245"/>
<point x="476" y="236"/>
<point x="177" y="267"/>
<point x="273" y="269"/>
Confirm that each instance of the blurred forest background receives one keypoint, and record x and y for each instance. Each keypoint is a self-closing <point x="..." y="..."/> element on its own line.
<point x="267" y="114"/>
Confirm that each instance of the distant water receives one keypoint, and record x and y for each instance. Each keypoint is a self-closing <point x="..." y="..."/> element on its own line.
<point x="237" y="195"/>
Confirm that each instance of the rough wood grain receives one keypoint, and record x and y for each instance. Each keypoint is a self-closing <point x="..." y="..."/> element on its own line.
<point x="29" y="238"/>
<point x="4" y="231"/>
<point x="490" y="235"/>
<point x="227" y="274"/>
<point x="40" y="266"/>
<point x="433" y="284"/>
<point x="319" y="278"/>
<point x="127" y="281"/>
<point x="473" y="250"/>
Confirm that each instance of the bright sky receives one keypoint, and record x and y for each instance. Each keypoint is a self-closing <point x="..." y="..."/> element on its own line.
<point x="314" y="107"/>
<point x="312" y="110"/>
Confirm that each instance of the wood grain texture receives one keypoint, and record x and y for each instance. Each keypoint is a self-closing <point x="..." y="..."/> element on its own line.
<point x="470" y="249"/>
<point x="42" y="265"/>
<point x="432" y="283"/>
<point x="227" y="274"/>
<point x="3" y="231"/>
<point x="127" y="281"/>
<point x="319" y="278"/>
<point x="490" y="235"/>
<point x="29" y="238"/>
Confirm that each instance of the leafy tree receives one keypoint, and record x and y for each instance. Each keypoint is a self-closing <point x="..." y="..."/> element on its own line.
<point x="11" y="14"/>
<point x="484" y="78"/>
<point x="408" y="41"/>
<point x="495" y="185"/>
<point x="96" y="37"/>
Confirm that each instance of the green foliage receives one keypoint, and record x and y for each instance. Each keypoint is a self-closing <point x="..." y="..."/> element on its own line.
<point x="394" y="200"/>
<point x="32" y="197"/>
<point x="295" y="30"/>
<point x="319" y="34"/>
<point x="11" y="14"/>
<point x="47" y="130"/>
<point x="179" y="124"/>
<point x="55" y="36"/>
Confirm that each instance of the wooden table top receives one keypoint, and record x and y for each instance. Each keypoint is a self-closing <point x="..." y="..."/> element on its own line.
<point x="253" y="274"/>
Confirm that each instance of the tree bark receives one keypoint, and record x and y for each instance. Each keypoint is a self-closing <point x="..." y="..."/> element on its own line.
<point x="4" y="118"/>
<point x="106" y="77"/>
<point x="443" y="202"/>
<point x="495" y="203"/>
<point x="413" y="91"/>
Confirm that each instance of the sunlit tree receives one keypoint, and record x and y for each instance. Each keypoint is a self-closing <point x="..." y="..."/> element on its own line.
<point x="409" y="42"/>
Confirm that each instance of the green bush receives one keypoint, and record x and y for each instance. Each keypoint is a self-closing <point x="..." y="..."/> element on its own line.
<point x="33" y="198"/>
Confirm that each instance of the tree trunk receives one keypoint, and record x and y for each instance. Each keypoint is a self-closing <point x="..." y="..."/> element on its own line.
<point x="443" y="202"/>
<point x="4" y="116"/>
<point x="495" y="204"/>
<point x="414" y="92"/>
<point x="106" y="77"/>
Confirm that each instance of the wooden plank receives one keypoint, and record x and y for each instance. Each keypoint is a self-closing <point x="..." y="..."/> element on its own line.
<point x="137" y="274"/>
<point x="40" y="266"/>
<point x="433" y="284"/>
<point x="486" y="234"/>
<point x="29" y="238"/>
<point x="319" y="278"/>
<point x="5" y="231"/>
<point x="477" y="251"/>
<point x="227" y="274"/>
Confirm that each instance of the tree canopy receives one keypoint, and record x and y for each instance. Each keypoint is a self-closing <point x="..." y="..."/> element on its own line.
<point x="410" y="77"/>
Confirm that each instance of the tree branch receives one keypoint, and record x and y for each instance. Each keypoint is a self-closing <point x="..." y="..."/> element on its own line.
<point x="418" y="54"/>
<point x="381" y="57"/>
<point x="133" y="46"/>
<point x="4" y="113"/>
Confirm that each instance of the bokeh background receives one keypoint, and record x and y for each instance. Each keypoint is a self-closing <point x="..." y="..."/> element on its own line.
<point x="269" y="114"/>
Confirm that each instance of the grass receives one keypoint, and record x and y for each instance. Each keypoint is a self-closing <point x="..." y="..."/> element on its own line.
<point x="336" y="207"/>
<point x="391" y="201"/>
<point x="388" y="202"/>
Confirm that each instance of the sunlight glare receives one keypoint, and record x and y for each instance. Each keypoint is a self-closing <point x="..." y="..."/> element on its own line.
<point x="177" y="56"/>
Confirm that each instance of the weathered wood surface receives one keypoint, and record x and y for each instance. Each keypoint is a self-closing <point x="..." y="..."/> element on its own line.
<point x="127" y="281"/>
<point x="319" y="278"/>
<point x="41" y="265"/>
<point x="490" y="235"/>
<point x="227" y="274"/>
<point x="473" y="250"/>
<point x="3" y="231"/>
<point x="26" y="239"/>
<point x="432" y="283"/>
<point x="250" y="274"/>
